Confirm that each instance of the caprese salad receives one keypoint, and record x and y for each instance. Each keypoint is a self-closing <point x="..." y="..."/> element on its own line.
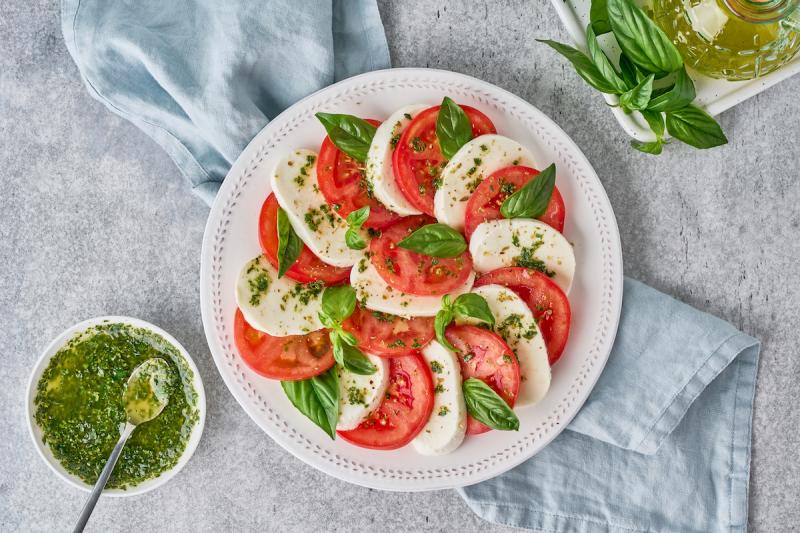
<point x="412" y="286"/>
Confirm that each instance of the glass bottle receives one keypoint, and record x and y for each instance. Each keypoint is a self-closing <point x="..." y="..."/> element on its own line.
<point x="732" y="39"/>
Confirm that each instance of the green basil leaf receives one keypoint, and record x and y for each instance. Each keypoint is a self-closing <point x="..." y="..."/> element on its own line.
<point x="453" y="129"/>
<point x="584" y="66"/>
<point x="435" y="240"/>
<point x="350" y="134"/>
<point x="680" y="95"/>
<point x="638" y="97"/>
<point x="327" y="320"/>
<point x="357" y="218"/>
<point x="356" y="362"/>
<point x="471" y="305"/>
<point x="440" y="323"/>
<point x="531" y="200"/>
<point x="353" y="240"/>
<point x="695" y="127"/>
<point x="656" y="122"/>
<point x="630" y="74"/>
<point x="338" y="302"/>
<point x="598" y="15"/>
<point x="487" y="407"/>
<point x="641" y="39"/>
<point x="317" y="398"/>
<point x="289" y="244"/>
<point x="653" y="148"/>
<point x="602" y="63"/>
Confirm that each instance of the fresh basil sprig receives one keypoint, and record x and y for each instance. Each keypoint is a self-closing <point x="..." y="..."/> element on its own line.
<point x="435" y="240"/>
<point x="637" y="98"/>
<point x="487" y="407"/>
<point x="678" y="96"/>
<point x="469" y="305"/>
<point x="695" y="127"/>
<point x="289" y="244"/>
<point x="532" y="199"/>
<point x="453" y="129"/>
<point x="351" y="135"/>
<point x="338" y="303"/>
<point x="355" y="220"/>
<point x="317" y="398"/>
<point x="641" y="39"/>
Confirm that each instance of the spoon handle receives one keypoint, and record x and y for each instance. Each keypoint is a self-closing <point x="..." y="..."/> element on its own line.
<point x="103" y="479"/>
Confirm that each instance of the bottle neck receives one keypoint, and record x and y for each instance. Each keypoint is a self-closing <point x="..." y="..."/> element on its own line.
<point x="762" y="11"/>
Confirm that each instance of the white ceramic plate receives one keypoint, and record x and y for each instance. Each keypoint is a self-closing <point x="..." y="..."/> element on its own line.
<point x="231" y="239"/>
<point x="36" y="432"/>
<point x="715" y="96"/>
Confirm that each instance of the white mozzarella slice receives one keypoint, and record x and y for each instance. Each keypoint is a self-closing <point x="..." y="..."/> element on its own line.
<point x="523" y="242"/>
<point x="360" y="395"/>
<point x="278" y="306"/>
<point x="376" y="294"/>
<point x="447" y="425"/>
<point x="514" y="322"/>
<point x="379" y="160"/>
<point x="473" y="162"/>
<point x="294" y="182"/>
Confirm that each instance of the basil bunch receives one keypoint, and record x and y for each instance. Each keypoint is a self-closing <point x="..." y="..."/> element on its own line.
<point x="647" y="55"/>
<point x="469" y="305"/>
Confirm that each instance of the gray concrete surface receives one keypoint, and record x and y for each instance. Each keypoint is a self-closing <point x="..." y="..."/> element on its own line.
<point x="94" y="219"/>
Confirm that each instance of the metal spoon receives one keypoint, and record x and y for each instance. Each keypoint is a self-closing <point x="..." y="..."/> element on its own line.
<point x="144" y="397"/>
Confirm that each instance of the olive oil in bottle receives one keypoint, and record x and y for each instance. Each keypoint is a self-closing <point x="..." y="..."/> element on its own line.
<point x="732" y="39"/>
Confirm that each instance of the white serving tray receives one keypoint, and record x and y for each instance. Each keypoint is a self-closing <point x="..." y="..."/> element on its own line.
<point x="715" y="96"/>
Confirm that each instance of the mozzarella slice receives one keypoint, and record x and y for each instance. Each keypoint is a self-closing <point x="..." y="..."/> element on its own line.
<point x="360" y="395"/>
<point x="374" y="293"/>
<point x="379" y="160"/>
<point x="523" y="242"/>
<point x="514" y="322"/>
<point x="278" y="306"/>
<point x="447" y="425"/>
<point x="294" y="182"/>
<point x="467" y="169"/>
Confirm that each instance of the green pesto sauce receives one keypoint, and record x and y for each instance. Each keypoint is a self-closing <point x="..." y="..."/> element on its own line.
<point x="79" y="406"/>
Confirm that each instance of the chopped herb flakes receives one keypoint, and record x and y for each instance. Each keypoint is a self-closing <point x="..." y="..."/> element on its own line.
<point x="443" y="410"/>
<point x="437" y="367"/>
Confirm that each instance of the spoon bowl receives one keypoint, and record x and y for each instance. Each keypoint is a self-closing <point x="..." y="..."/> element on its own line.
<point x="146" y="392"/>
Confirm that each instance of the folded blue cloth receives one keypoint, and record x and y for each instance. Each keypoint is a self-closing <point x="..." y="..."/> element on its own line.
<point x="663" y="442"/>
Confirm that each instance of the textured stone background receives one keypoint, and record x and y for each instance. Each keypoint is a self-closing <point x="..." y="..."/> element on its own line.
<point x="96" y="220"/>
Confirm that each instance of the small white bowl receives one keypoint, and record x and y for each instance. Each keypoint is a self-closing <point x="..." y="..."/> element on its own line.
<point x="36" y="432"/>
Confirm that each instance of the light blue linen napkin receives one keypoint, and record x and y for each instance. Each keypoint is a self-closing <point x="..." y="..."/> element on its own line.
<point x="663" y="442"/>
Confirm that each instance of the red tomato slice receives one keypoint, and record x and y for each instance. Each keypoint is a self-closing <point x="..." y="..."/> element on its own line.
<point x="389" y="335"/>
<point x="548" y="302"/>
<point x="343" y="184"/>
<point x="291" y="358"/>
<point x="414" y="273"/>
<point x="418" y="160"/>
<point x="404" y="412"/>
<point x="485" y="202"/>
<point x="308" y="266"/>
<point x="485" y="355"/>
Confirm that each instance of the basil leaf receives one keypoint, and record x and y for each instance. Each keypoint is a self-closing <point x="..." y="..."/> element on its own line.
<point x="435" y="240"/>
<point x="695" y="127"/>
<point x="630" y="74"/>
<point x="353" y="240"/>
<point x="680" y="95"/>
<point x="440" y="323"/>
<point x="453" y="129"/>
<point x="350" y="134"/>
<point x="653" y="148"/>
<point x="338" y="302"/>
<point x="289" y="244"/>
<point x="602" y="63"/>
<point x="356" y="362"/>
<point x="487" y="407"/>
<point x="357" y="218"/>
<point x="532" y="199"/>
<point x="641" y="39"/>
<point x="598" y="16"/>
<point x="656" y="122"/>
<point x="473" y="306"/>
<point x="638" y="97"/>
<point x="317" y="398"/>
<point x="584" y="66"/>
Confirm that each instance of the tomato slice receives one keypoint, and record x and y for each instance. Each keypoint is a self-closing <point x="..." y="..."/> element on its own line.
<point x="414" y="273"/>
<point x="418" y="159"/>
<point x="485" y="355"/>
<point x="308" y="266"/>
<point x="389" y="335"/>
<point x="291" y="358"/>
<point x="485" y="202"/>
<point x="343" y="183"/>
<point x="405" y="410"/>
<point x="548" y="302"/>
